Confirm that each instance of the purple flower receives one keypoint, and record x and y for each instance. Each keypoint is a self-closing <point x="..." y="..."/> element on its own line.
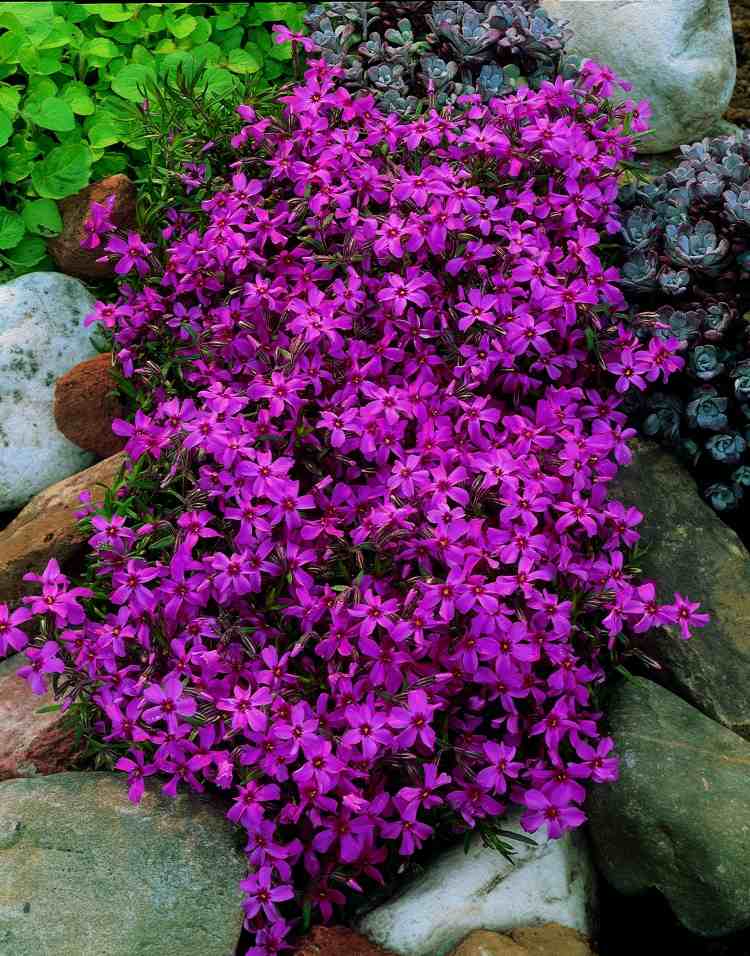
<point x="168" y="702"/>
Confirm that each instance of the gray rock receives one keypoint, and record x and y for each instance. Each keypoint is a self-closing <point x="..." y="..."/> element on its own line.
<point x="84" y="872"/>
<point x="678" y="54"/>
<point x="42" y="336"/>
<point x="678" y="819"/>
<point x="461" y="892"/>
<point x="685" y="547"/>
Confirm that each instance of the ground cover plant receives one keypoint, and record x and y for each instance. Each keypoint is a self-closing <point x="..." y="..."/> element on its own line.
<point x="687" y="241"/>
<point x="404" y="53"/>
<point x="71" y="75"/>
<point x="363" y="573"/>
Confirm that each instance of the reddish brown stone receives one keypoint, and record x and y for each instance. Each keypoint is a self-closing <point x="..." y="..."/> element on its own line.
<point x="47" y="528"/>
<point x="338" y="941"/>
<point x="85" y="406"/>
<point x="66" y="249"/>
<point x="30" y="743"/>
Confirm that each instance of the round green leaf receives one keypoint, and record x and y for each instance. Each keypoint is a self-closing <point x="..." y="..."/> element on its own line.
<point x="10" y="46"/>
<point x="63" y="171"/>
<point x="50" y="113"/>
<point x="10" y="97"/>
<point x="181" y="27"/>
<point x="42" y="217"/>
<point x="11" y="228"/>
<point x="109" y="164"/>
<point x="103" y="132"/>
<point x="218" y="83"/>
<point x="17" y="158"/>
<point x="76" y="95"/>
<point x="28" y="253"/>
<point x="131" y="80"/>
<point x="42" y="64"/>
<point x="111" y="12"/>
<point x="241" y="61"/>
<point x="100" y="48"/>
<point x="6" y="128"/>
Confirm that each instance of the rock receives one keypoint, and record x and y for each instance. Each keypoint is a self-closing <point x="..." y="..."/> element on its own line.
<point x="483" y="943"/>
<point x="679" y="816"/>
<point x="548" y="940"/>
<point x="66" y="249"/>
<point x="84" y="872"/>
<point x="85" y="406"/>
<point x="678" y="54"/>
<point x="42" y="335"/>
<point x="337" y="941"/>
<point x="461" y="892"/>
<point x="47" y="527"/>
<point x="551" y="940"/>
<point x="685" y="547"/>
<point x="31" y="743"/>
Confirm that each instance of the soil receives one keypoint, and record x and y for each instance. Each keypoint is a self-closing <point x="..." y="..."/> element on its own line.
<point x="739" y="108"/>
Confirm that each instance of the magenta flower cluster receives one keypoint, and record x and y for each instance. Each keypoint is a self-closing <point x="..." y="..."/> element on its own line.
<point x="380" y="604"/>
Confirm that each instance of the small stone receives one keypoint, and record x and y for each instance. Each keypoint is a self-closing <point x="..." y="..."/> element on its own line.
<point x="483" y="943"/>
<point x="47" y="527"/>
<point x="552" y="940"/>
<point x="66" y="249"/>
<point x="31" y="742"/>
<point x="678" y="54"/>
<point x="42" y="335"/>
<point x="337" y="941"/>
<point x="678" y="818"/>
<point x="85" y="406"/>
<point x="461" y="892"/>
<point x="84" y="872"/>
<point x="685" y="547"/>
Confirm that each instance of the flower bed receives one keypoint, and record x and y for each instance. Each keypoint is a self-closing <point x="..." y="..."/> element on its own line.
<point x="363" y="573"/>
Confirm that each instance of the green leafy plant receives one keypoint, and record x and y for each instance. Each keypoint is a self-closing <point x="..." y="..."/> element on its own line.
<point x="71" y="75"/>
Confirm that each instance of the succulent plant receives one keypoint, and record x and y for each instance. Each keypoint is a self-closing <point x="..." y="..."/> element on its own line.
<point x="408" y="52"/>
<point x="685" y="264"/>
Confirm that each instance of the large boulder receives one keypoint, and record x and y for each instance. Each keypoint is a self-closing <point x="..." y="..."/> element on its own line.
<point x="678" y="54"/>
<point x="479" y="889"/>
<point x="678" y="818"/>
<point x="48" y="528"/>
<point x="685" y="547"/>
<point x="84" y="872"/>
<point x="33" y="740"/>
<point x="42" y="335"/>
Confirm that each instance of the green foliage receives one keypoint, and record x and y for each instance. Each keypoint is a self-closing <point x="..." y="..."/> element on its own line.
<point x="72" y="76"/>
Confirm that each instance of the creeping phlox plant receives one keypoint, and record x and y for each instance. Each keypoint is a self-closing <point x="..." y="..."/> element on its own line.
<point x="372" y="588"/>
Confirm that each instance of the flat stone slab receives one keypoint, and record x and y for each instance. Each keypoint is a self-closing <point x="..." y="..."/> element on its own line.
<point x="84" y="872"/>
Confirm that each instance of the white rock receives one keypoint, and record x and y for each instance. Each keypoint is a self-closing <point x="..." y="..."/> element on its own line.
<point x="678" y="54"/>
<point x="42" y="336"/>
<point x="461" y="892"/>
